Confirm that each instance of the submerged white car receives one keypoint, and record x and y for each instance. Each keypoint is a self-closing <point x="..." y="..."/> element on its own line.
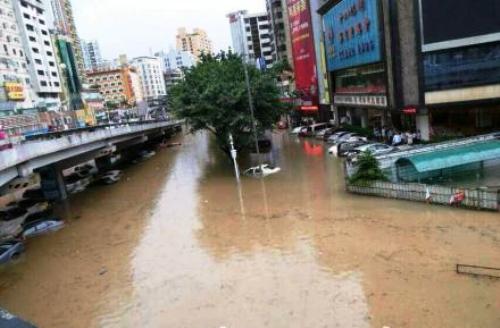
<point x="297" y="130"/>
<point x="261" y="171"/>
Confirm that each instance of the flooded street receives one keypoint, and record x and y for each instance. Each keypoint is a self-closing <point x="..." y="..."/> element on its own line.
<point x="178" y="244"/>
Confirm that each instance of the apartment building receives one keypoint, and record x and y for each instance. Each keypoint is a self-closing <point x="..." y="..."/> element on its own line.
<point x="151" y="74"/>
<point x="251" y="36"/>
<point x="196" y="42"/>
<point x="91" y="55"/>
<point x="15" y="84"/>
<point x="39" y="51"/>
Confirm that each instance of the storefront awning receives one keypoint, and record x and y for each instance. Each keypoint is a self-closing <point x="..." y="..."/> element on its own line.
<point x="459" y="155"/>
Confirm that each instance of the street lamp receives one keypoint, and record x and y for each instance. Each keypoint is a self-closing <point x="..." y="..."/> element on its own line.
<point x="234" y="155"/>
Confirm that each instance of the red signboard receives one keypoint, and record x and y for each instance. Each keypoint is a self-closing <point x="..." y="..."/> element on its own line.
<point x="304" y="56"/>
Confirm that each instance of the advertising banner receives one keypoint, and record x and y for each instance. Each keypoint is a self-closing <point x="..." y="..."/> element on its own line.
<point x="304" y="56"/>
<point x="352" y="34"/>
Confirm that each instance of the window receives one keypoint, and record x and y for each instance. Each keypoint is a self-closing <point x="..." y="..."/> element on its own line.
<point x="54" y="74"/>
<point x="47" y="43"/>
<point x="41" y="21"/>
<point x="30" y="27"/>
<point x="49" y="53"/>
<point x="35" y="50"/>
<point x="38" y="61"/>
<point x="26" y="16"/>
<point x="6" y="49"/>
<point x="32" y="39"/>
<point x="52" y="64"/>
<point x="44" y="32"/>
<point x="43" y="83"/>
<point x="40" y="72"/>
<point x="21" y="53"/>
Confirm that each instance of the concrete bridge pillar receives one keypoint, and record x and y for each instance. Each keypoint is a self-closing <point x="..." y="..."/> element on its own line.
<point x="52" y="183"/>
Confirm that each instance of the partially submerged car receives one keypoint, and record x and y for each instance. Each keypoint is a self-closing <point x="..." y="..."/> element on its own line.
<point x="261" y="171"/>
<point x="110" y="177"/>
<point x="41" y="227"/>
<point x="10" y="251"/>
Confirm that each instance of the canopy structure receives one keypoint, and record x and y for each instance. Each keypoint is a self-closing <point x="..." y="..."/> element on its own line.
<point x="421" y="165"/>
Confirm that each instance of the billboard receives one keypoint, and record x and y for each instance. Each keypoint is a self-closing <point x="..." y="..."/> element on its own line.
<point x="473" y="22"/>
<point x="324" y="95"/>
<point x="14" y="91"/>
<point x="352" y="34"/>
<point x="304" y="56"/>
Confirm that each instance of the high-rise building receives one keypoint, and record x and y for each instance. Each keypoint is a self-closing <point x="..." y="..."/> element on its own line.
<point x="280" y="26"/>
<point x="151" y="74"/>
<point x="39" y="50"/>
<point x="119" y="86"/>
<point x="91" y="55"/>
<point x="15" y="83"/>
<point x="196" y="42"/>
<point x="64" y="23"/>
<point x="172" y="77"/>
<point x="175" y="59"/>
<point x="251" y="35"/>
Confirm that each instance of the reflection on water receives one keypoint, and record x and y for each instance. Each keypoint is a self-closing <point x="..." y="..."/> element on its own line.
<point x="181" y="244"/>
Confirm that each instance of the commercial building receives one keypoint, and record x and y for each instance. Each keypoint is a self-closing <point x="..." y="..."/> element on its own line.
<point x="175" y="59"/>
<point x="459" y="60"/>
<point x="251" y="36"/>
<point x="406" y="64"/>
<point x="119" y="86"/>
<point x="64" y="23"/>
<point x="39" y="50"/>
<point x="15" y="84"/>
<point x="151" y="74"/>
<point x="196" y="42"/>
<point x="91" y="55"/>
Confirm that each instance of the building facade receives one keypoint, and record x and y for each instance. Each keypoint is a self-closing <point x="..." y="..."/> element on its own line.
<point x="172" y="77"/>
<point x="174" y="59"/>
<point x="252" y="37"/>
<point x="40" y="53"/>
<point x="152" y="78"/>
<point x="70" y="81"/>
<point x="91" y="53"/>
<point x="15" y="83"/>
<point x="459" y="60"/>
<point x="118" y="86"/>
<point x="196" y="42"/>
<point x="64" y="23"/>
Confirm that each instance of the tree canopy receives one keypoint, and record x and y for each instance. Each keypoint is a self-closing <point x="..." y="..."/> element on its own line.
<point x="213" y="97"/>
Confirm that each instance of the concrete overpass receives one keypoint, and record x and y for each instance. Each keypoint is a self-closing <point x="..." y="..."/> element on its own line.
<point x="76" y="145"/>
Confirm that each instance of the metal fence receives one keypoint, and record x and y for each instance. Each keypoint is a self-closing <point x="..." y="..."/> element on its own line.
<point x="472" y="198"/>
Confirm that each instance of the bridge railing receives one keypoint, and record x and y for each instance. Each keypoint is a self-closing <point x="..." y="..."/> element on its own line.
<point x="47" y="145"/>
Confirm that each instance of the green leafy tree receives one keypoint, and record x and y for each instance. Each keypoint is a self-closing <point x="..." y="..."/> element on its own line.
<point x="368" y="170"/>
<point x="213" y="97"/>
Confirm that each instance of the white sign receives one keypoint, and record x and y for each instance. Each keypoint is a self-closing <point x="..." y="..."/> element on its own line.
<point x="361" y="100"/>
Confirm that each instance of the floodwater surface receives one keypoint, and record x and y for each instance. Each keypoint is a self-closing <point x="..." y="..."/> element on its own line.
<point x="178" y="243"/>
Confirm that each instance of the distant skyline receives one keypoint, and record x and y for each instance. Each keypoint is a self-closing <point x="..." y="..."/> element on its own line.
<point x="137" y="27"/>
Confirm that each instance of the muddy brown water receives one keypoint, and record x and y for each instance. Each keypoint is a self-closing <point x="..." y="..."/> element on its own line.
<point x="178" y="244"/>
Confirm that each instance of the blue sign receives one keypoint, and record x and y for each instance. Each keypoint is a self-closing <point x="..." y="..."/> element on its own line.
<point x="352" y="34"/>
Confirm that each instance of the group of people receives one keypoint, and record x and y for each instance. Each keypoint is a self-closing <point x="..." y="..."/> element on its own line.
<point x="397" y="138"/>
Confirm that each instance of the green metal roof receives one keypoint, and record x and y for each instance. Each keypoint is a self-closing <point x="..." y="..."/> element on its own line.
<point x="459" y="155"/>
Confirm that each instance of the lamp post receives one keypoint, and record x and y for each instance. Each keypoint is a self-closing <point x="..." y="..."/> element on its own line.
<point x="234" y="155"/>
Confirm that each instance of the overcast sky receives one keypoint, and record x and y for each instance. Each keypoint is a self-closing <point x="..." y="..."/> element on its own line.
<point x="135" y="26"/>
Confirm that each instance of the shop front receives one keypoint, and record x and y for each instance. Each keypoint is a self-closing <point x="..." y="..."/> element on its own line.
<point x="353" y="46"/>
